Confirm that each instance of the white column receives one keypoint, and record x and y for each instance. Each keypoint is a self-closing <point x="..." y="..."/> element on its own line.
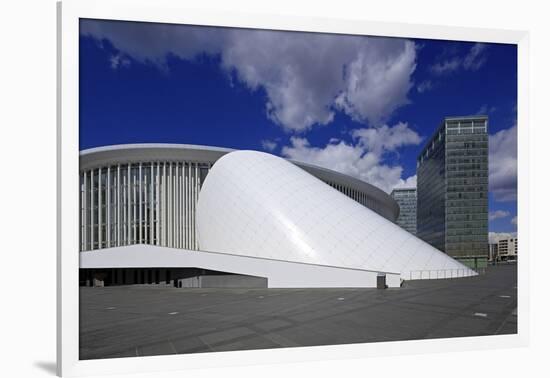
<point x="195" y="200"/>
<point x="108" y="207"/>
<point x="151" y="204"/>
<point x="164" y="225"/>
<point x="197" y="181"/>
<point x="118" y="220"/>
<point x="83" y="226"/>
<point x="161" y="205"/>
<point x="127" y="208"/>
<point x="182" y="209"/>
<point x="140" y="223"/>
<point x="176" y="207"/>
<point x="134" y="210"/>
<point x="92" y="209"/>
<point x="86" y="194"/>
<point x="186" y="200"/>
<point x="157" y="213"/>
<point x="124" y="211"/>
<point x="193" y="203"/>
<point x="179" y="206"/>
<point x="129" y="205"/>
<point x="170" y="208"/>
<point x="191" y="208"/>
<point x="190" y="199"/>
<point x="180" y="212"/>
<point x="182" y="206"/>
<point x="99" y="211"/>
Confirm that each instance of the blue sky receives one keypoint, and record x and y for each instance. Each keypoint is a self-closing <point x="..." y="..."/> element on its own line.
<point x="360" y="105"/>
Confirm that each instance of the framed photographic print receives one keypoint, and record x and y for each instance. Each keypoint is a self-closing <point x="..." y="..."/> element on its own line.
<point x="284" y="189"/>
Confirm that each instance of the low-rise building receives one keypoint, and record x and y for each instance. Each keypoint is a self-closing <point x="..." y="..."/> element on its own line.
<point x="508" y="249"/>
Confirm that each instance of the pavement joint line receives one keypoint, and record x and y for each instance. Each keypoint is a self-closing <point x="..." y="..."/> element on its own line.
<point x="173" y="313"/>
<point x="173" y="347"/>
<point x="510" y="311"/>
<point x="295" y="308"/>
<point x="480" y="314"/>
<point x="206" y="343"/>
<point x="504" y="296"/>
<point x="505" y="321"/>
<point x="341" y="299"/>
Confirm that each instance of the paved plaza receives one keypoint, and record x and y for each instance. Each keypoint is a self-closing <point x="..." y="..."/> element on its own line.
<point x="126" y="321"/>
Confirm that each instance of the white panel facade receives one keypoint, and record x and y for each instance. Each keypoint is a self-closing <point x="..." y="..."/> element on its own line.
<point x="256" y="204"/>
<point x="279" y="274"/>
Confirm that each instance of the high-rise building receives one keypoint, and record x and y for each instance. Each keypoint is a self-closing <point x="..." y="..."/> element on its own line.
<point x="452" y="180"/>
<point x="406" y="199"/>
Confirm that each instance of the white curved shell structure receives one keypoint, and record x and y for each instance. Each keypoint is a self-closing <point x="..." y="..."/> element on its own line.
<point x="256" y="204"/>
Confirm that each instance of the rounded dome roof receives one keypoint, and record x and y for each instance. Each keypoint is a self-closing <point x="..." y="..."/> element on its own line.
<point x="257" y="204"/>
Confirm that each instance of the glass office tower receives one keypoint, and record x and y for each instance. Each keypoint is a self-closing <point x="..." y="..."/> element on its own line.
<point x="406" y="199"/>
<point x="452" y="181"/>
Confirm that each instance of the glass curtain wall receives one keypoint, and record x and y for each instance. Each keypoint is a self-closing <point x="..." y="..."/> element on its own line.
<point x="452" y="187"/>
<point x="406" y="199"/>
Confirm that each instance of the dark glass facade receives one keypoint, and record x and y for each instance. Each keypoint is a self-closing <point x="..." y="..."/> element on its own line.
<point x="406" y="199"/>
<point x="452" y="184"/>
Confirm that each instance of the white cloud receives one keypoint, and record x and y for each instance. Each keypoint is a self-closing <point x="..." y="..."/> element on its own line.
<point x="486" y="109"/>
<point x="119" y="60"/>
<point x="306" y="76"/>
<point x="408" y="183"/>
<point x="494" y="237"/>
<point x="472" y="61"/>
<point x="386" y="138"/>
<point x="363" y="158"/>
<point x="378" y="80"/>
<point x="269" y="145"/>
<point x="442" y="68"/>
<point x="151" y="42"/>
<point x="514" y="220"/>
<point x="503" y="164"/>
<point x="424" y="86"/>
<point x="476" y="57"/>
<point x="498" y="214"/>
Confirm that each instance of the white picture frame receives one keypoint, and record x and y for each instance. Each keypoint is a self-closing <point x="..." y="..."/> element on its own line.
<point x="172" y="11"/>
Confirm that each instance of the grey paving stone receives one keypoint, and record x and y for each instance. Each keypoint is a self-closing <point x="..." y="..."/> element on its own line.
<point x="127" y="321"/>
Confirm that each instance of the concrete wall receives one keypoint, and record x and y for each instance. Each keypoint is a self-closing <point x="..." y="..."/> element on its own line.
<point x="223" y="280"/>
